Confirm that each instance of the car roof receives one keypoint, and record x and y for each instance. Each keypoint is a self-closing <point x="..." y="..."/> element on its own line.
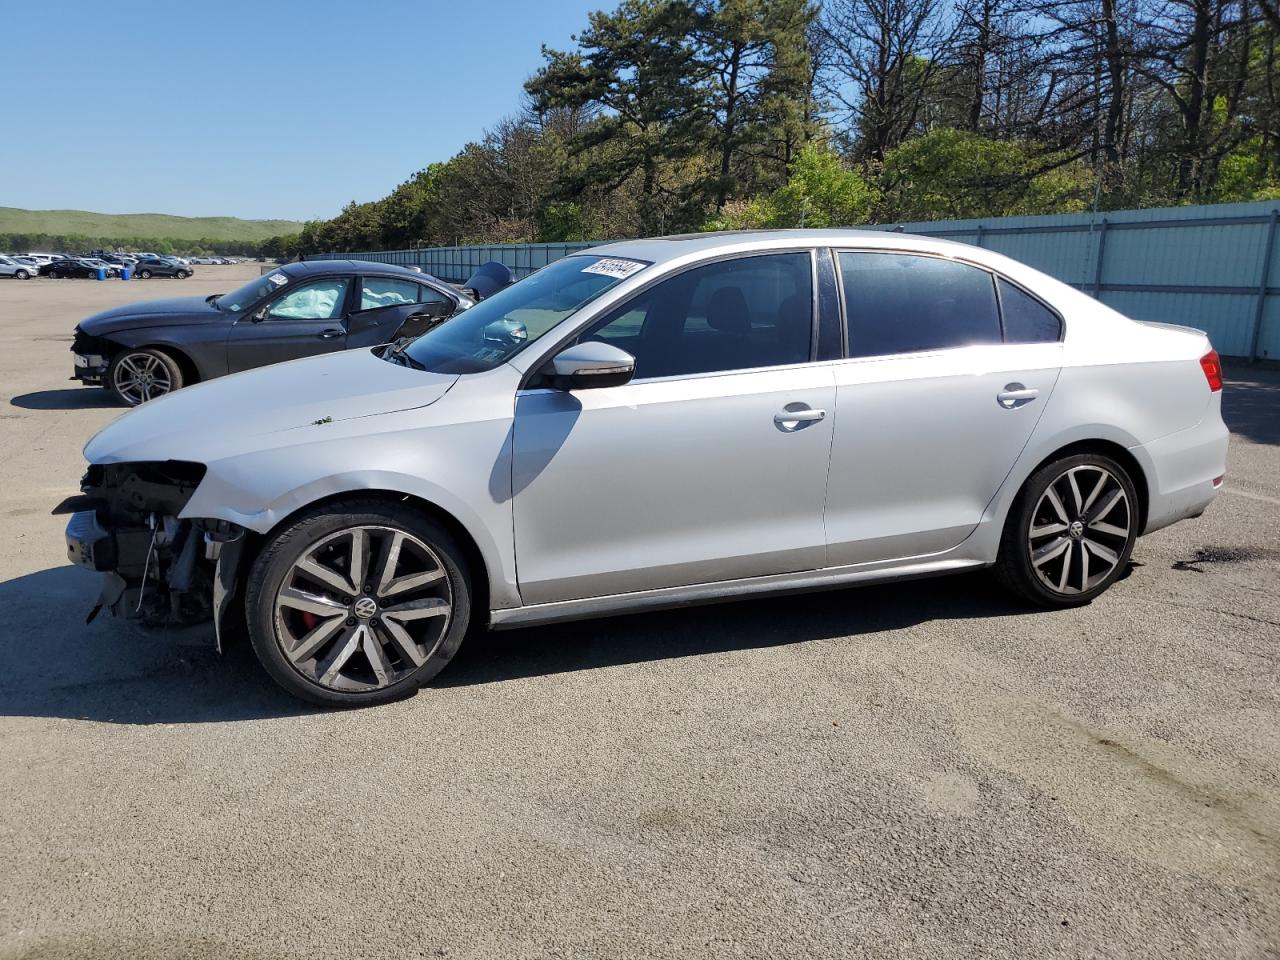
<point x="308" y="268"/>
<point x="678" y="246"/>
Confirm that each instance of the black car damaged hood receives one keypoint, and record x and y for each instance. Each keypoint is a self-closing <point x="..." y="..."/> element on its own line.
<point x="148" y="313"/>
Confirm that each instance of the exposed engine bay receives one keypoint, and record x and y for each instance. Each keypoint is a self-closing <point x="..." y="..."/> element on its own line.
<point x="156" y="567"/>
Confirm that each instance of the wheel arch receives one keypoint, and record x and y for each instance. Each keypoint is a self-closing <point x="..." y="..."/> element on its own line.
<point x="477" y="566"/>
<point x="1109" y="448"/>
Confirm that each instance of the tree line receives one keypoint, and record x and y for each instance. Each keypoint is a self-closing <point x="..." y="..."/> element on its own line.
<point x="81" y="243"/>
<point x="683" y="115"/>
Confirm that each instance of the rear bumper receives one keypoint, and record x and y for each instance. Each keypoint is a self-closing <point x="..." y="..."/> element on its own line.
<point x="1185" y="470"/>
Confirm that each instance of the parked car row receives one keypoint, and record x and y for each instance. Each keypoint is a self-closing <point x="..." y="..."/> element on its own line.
<point x="60" y="266"/>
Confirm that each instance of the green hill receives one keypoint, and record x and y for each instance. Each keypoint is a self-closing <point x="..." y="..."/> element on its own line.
<point x="111" y="225"/>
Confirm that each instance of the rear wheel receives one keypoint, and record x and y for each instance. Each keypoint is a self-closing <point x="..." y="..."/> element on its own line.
<point x="1071" y="532"/>
<point x="136" y="376"/>
<point x="358" y="602"/>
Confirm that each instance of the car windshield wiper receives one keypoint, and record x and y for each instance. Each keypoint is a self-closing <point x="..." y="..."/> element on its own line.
<point x="396" y="354"/>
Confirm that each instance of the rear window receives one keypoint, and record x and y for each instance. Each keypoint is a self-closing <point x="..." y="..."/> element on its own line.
<point x="905" y="303"/>
<point x="1026" y="319"/>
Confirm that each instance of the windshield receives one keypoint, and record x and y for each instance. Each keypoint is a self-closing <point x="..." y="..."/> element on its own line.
<point x="494" y="330"/>
<point x="253" y="291"/>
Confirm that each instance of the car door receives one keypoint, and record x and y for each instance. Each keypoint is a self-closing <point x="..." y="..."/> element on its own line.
<point x="933" y="406"/>
<point x="710" y="465"/>
<point x="383" y="306"/>
<point x="307" y="318"/>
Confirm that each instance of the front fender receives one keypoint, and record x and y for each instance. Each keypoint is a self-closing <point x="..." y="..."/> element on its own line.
<point x="208" y="357"/>
<point x="461" y="469"/>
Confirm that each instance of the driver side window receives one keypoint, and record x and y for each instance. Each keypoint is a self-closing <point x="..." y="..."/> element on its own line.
<point x="317" y="300"/>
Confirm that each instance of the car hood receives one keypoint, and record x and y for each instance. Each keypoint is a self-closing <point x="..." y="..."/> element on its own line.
<point x="172" y="310"/>
<point x="263" y="407"/>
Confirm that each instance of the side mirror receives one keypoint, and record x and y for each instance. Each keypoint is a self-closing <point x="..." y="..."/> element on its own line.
<point x="506" y="333"/>
<point x="583" y="366"/>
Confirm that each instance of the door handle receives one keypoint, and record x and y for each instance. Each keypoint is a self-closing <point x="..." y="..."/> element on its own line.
<point x="1016" y="395"/>
<point x="791" y="419"/>
<point x="329" y="334"/>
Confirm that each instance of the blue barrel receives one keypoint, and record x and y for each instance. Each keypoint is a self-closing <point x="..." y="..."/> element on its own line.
<point x="126" y="273"/>
<point x="102" y="273"/>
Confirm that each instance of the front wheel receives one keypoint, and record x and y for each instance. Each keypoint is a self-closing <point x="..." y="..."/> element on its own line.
<point x="182" y="274"/>
<point x="1071" y="532"/>
<point x="22" y="275"/>
<point x="136" y="376"/>
<point x="358" y="602"/>
<point x="145" y="274"/>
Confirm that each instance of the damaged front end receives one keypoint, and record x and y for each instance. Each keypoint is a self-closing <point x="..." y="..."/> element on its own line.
<point x="156" y="567"/>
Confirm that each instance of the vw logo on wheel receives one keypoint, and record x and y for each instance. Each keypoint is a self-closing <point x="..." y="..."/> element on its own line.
<point x="365" y="608"/>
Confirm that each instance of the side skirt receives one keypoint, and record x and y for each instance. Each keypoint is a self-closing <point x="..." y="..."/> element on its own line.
<point x="805" y="581"/>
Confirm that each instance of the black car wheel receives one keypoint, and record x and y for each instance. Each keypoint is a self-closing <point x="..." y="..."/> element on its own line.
<point x="182" y="274"/>
<point x="136" y="376"/>
<point x="358" y="602"/>
<point x="145" y="274"/>
<point x="1071" y="532"/>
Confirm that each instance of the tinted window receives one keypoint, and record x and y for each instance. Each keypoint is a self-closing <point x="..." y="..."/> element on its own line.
<point x="732" y="315"/>
<point x="1026" y="319"/>
<point x="428" y="295"/>
<point x="900" y="303"/>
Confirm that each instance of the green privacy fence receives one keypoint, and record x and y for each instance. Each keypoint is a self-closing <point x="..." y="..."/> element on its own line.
<point x="1210" y="267"/>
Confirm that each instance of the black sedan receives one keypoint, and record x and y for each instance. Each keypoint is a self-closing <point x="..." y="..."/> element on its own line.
<point x="148" y="349"/>
<point x="149" y="267"/>
<point x="78" y="267"/>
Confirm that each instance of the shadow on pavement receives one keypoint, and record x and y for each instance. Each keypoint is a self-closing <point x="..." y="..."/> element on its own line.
<point x="54" y="665"/>
<point x="74" y="398"/>
<point x="716" y="628"/>
<point x="1251" y="403"/>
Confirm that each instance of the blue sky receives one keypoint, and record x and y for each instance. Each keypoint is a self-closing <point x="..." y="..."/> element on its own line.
<point x="255" y="109"/>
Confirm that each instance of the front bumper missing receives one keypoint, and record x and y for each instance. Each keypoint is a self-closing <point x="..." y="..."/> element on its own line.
<point x="89" y="368"/>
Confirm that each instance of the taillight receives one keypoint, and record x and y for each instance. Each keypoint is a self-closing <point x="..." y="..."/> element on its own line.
<point x="1212" y="368"/>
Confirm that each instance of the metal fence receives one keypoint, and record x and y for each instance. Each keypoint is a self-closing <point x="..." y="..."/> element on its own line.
<point x="1211" y="267"/>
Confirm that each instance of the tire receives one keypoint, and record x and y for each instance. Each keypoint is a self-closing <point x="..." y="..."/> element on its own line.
<point x="1070" y="533"/>
<point x="145" y="274"/>
<point x="182" y="274"/>
<point x="321" y="642"/>
<point x="135" y="376"/>
<point x="22" y="275"/>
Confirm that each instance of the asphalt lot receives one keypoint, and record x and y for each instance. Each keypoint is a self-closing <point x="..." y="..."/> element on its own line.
<point x="914" y="770"/>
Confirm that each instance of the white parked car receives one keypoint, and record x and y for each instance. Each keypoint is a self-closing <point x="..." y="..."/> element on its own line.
<point x="20" y="269"/>
<point x="656" y="423"/>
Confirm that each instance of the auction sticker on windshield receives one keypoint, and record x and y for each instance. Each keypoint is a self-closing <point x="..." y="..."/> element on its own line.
<point x="279" y="279"/>
<point x="614" y="267"/>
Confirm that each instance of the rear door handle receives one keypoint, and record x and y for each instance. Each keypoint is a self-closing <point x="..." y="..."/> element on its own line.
<point x="330" y="334"/>
<point x="1016" y="395"/>
<point x="790" y="419"/>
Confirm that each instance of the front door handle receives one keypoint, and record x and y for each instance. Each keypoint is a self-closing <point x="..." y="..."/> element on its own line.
<point x="1016" y="395"/>
<point x="792" y="419"/>
<point x="330" y="334"/>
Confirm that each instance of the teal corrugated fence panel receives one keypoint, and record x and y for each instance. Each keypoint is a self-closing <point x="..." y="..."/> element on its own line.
<point x="1213" y="267"/>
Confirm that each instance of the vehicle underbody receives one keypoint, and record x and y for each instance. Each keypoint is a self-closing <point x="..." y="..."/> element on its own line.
<point x="156" y="567"/>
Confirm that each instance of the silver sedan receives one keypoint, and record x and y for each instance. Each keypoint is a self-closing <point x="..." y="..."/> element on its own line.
<point x="656" y="423"/>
